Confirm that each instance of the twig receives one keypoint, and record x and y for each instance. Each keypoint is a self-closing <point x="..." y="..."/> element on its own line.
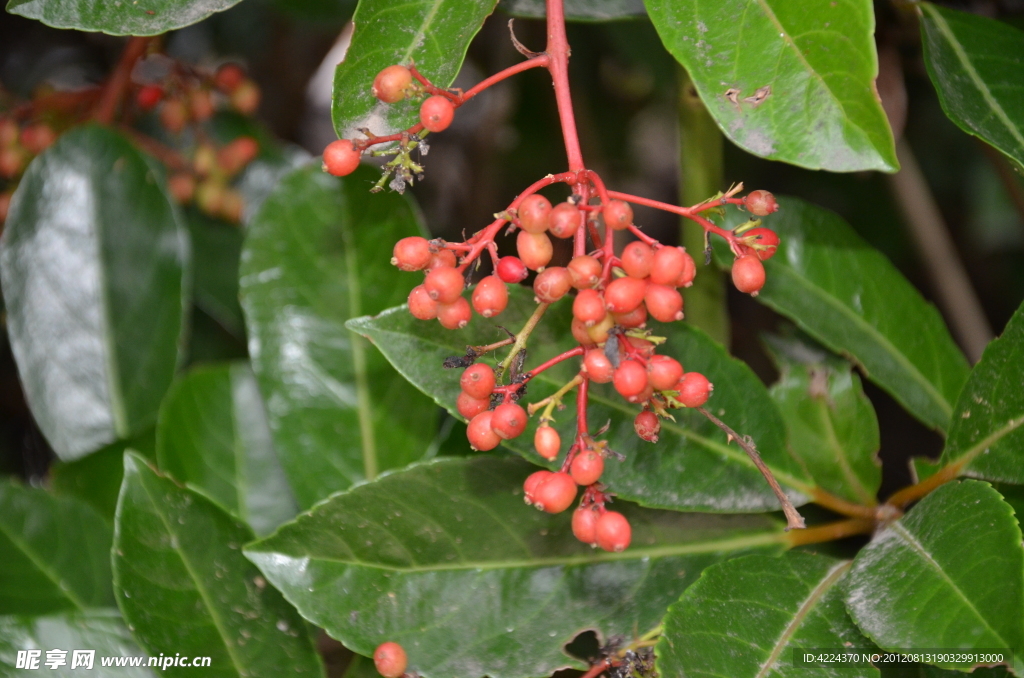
<point x="115" y="88"/>
<point x="946" y="271"/>
<point x="831" y="531"/>
<point x="794" y="521"/>
<point x="523" y="336"/>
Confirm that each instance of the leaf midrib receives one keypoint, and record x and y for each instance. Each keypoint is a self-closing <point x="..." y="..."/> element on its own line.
<point x="965" y="61"/>
<point x="805" y="608"/>
<point x="841" y="454"/>
<point x="633" y="553"/>
<point x="898" y="356"/>
<point x="987" y="442"/>
<point x="43" y="567"/>
<point x="724" y="450"/>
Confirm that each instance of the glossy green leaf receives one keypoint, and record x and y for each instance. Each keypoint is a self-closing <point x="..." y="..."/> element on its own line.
<point x="906" y="670"/>
<point x="98" y="630"/>
<point x="183" y="584"/>
<point x="832" y="425"/>
<point x="986" y="439"/>
<point x="317" y="254"/>
<point x="432" y="34"/>
<point x="977" y="65"/>
<point x="95" y="479"/>
<point x="745" y="617"/>
<point x="849" y="297"/>
<point x="691" y="467"/>
<point x="577" y="10"/>
<point x="216" y="248"/>
<point x="949" y="574"/>
<point x="213" y="434"/>
<point x="784" y="80"/>
<point x="446" y="559"/>
<point x="148" y="17"/>
<point x="92" y="266"/>
<point x="54" y="553"/>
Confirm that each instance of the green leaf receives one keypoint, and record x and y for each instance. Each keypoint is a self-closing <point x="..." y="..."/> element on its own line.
<point x="745" y="617"/>
<point x="783" y="80"/>
<point x="95" y="479"/>
<point x="92" y="267"/>
<point x="177" y="556"/>
<point x="213" y="434"/>
<point x="315" y="255"/>
<point x="145" y="17"/>
<point x="446" y="559"/>
<point x="849" y="297"/>
<point x="831" y="423"/>
<point x="216" y="247"/>
<point x="578" y="10"/>
<point x="986" y="438"/>
<point x="949" y="574"/>
<point x="906" y="670"/>
<point x="54" y="553"/>
<point x="977" y="65"/>
<point x="692" y="467"/>
<point x="432" y="34"/>
<point x="98" y="630"/>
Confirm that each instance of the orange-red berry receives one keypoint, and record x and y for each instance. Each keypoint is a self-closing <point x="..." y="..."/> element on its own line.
<point x="587" y="467"/>
<point x="444" y="284"/>
<point x="555" y="493"/>
<point x="565" y="220"/>
<point x="694" y="389"/>
<point x="618" y="215"/>
<point x="624" y="294"/>
<point x="390" y="660"/>
<point x="490" y="296"/>
<point x="149" y="96"/>
<point x="535" y="213"/>
<point x="340" y="158"/>
<point x="635" y="318"/>
<point x="584" y="524"/>
<point x="509" y="421"/>
<point x="647" y="426"/>
<point x="532" y="482"/>
<point x="552" y="284"/>
<point x="585" y="271"/>
<point x="630" y="378"/>
<point x="761" y="203"/>
<point x="547" y="441"/>
<point x="664" y="303"/>
<point x="392" y="83"/>
<point x="469" y="407"/>
<point x="748" y="274"/>
<point x="228" y="77"/>
<point x="613" y="532"/>
<point x="767" y="242"/>
<point x="664" y="372"/>
<point x="421" y="305"/>
<point x="670" y="264"/>
<point x="588" y="307"/>
<point x="512" y="270"/>
<point x="637" y="259"/>
<point x="237" y="154"/>
<point x="535" y="249"/>
<point x="597" y="366"/>
<point x="456" y="315"/>
<point x="411" y="254"/>
<point x="437" y="113"/>
<point x="480" y="434"/>
<point x="477" y="381"/>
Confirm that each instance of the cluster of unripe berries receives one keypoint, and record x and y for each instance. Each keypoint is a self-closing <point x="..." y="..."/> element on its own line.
<point x="18" y="145"/>
<point x="207" y="181"/>
<point x="393" y="84"/>
<point x="182" y="100"/>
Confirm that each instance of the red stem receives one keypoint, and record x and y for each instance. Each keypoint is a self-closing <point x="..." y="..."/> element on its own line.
<point x="558" y="52"/>
<point x="119" y="80"/>
<point x="572" y="353"/>
<point x="688" y="212"/>
<point x="536" y="62"/>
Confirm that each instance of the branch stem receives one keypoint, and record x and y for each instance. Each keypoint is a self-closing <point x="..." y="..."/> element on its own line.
<point x="523" y="337"/>
<point x="117" y="85"/>
<point x="558" y="52"/>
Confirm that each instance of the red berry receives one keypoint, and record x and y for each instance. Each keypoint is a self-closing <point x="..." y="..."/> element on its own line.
<point x="664" y="303"/>
<point x="228" y="78"/>
<point x="556" y="493"/>
<point x="664" y="372"/>
<point x="597" y="366"/>
<point x="469" y="407"/>
<point x="237" y="154"/>
<point x="421" y="305"/>
<point x="149" y="96"/>
<point x="635" y="318"/>
<point x="552" y="284"/>
<point x="761" y="203"/>
<point x="637" y="259"/>
<point x="588" y="307"/>
<point x="490" y="296"/>
<point x="480" y="434"/>
<point x="437" y="113"/>
<point x="532" y="482"/>
<point x="630" y="378"/>
<point x="669" y="264"/>
<point x="748" y="274"/>
<point x="587" y="467"/>
<point x="456" y="315"/>
<point x="613" y="532"/>
<point x="585" y="271"/>
<point x="173" y="115"/>
<point x="512" y="270"/>
<point x="411" y="254"/>
<point x="565" y="220"/>
<point x="201" y="104"/>
<point x="182" y="186"/>
<point x="5" y="205"/>
<point x="509" y="421"/>
<point x="647" y="426"/>
<point x="618" y="215"/>
<point x="624" y="294"/>
<point x="246" y="97"/>
<point x="38" y="137"/>
<point x="477" y="381"/>
<point x="535" y="249"/>
<point x="547" y="441"/>
<point x="584" y="525"/>
<point x="441" y="258"/>
<point x="581" y="333"/>
<point x="390" y="660"/>
<point x="767" y="242"/>
<point x="694" y="389"/>
<point x="340" y="158"/>
<point x="391" y="83"/>
<point x="598" y="334"/>
<point x="535" y="213"/>
<point x="444" y="284"/>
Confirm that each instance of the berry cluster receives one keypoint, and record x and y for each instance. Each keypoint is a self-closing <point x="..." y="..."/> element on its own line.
<point x="613" y="296"/>
<point x="18" y="145"/>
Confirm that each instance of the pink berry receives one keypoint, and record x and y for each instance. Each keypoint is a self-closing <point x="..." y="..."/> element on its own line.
<point x="613" y="532"/>
<point x="456" y="315"/>
<point x="637" y="259"/>
<point x="340" y="158"/>
<point x="421" y="305"/>
<point x="748" y="274"/>
<point x="547" y="441"/>
<point x="694" y="389"/>
<point x="509" y="421"/>
<point x="444" y="284"/>
<point x="390" y="660"/>
<point x="469" y="407"/>
<point x="437" y="113"/>
<point x="391" y="84"/>
<point x="761" y="203"/>
<point x="512" y="270"/>
<point x="618" y="215"/>
<point x="411" y="254"/>
<point x="480" y="434"/>
<point x="490" y="296"/>
<point x="556" y="493"/>
<point x="630" y="378"/>
<point x="477" y="381"/>
<point x="647" y="426"/>
<point x="535" y="213"/>
<point x="584" y="525"/>
<point x="587" y="467"/>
